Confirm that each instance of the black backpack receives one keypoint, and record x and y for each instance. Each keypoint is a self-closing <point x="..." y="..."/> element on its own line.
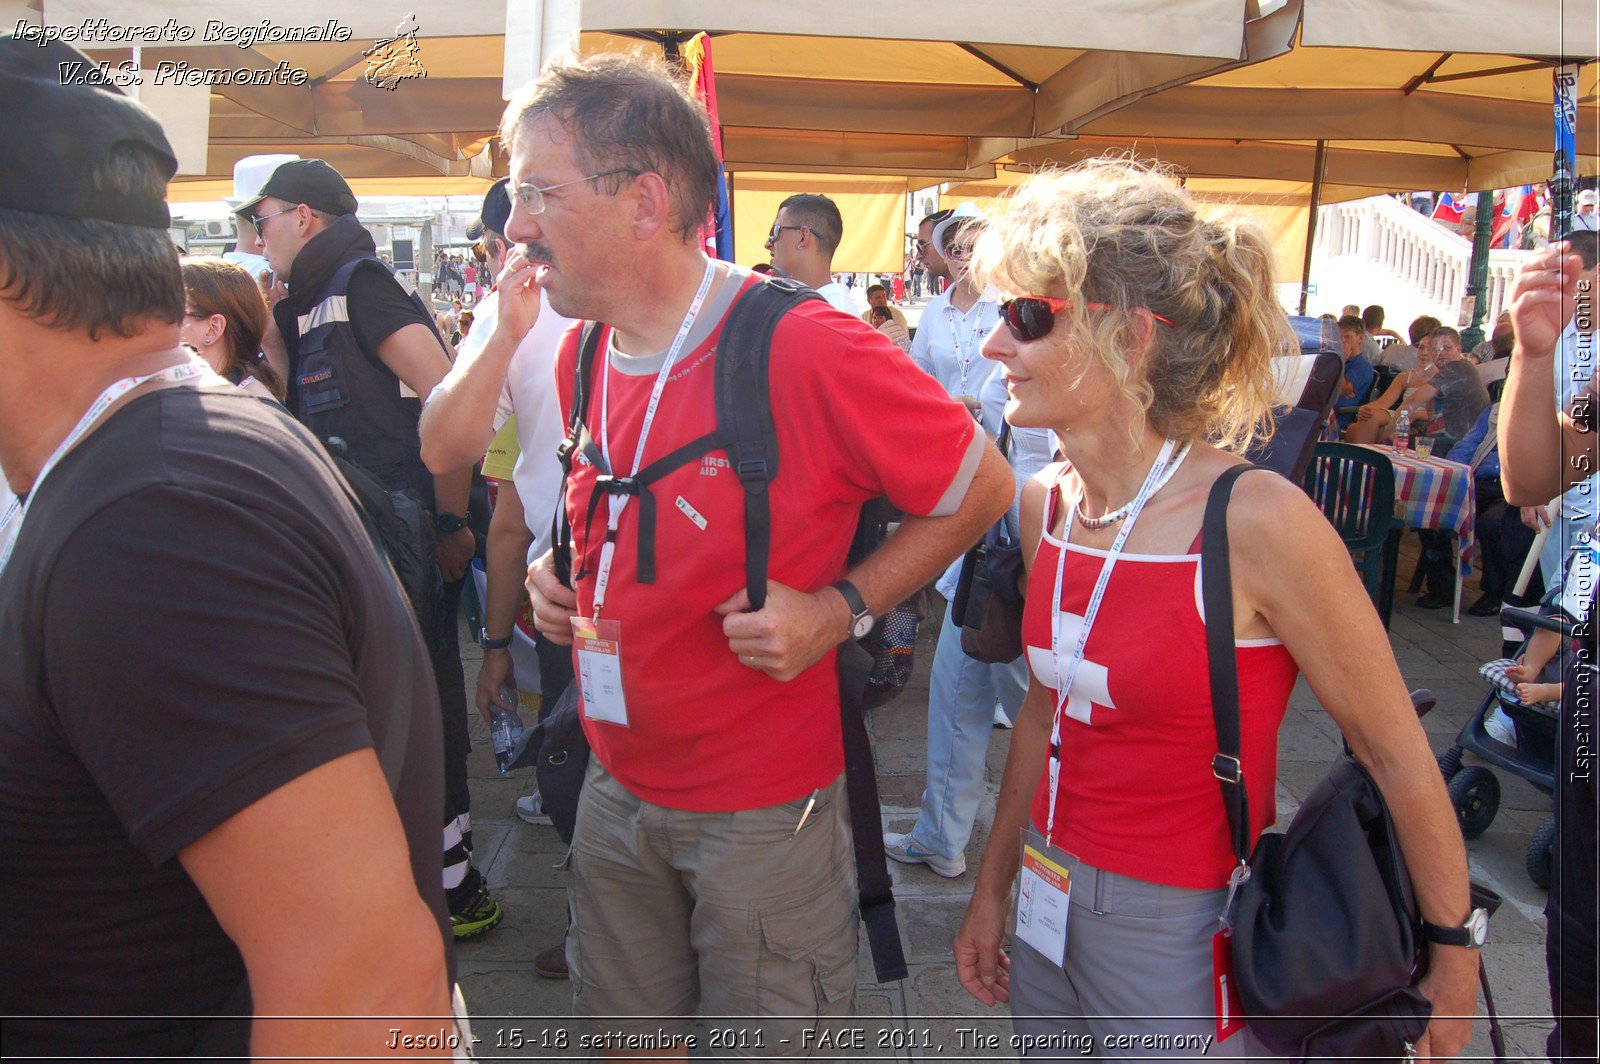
<point x="401" y="526"/>
<point x="871" y="670"/>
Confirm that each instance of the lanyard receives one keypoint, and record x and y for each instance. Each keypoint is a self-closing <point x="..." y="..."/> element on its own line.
<point x="617" y="503"/>
<point x="16" y="510"/>
<point x="963" y="356"/>
<point x="1065" y="676"/>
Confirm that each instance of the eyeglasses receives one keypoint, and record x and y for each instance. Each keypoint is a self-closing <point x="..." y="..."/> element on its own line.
<point x="958" y="251"/>
<point x="256" y="219"/>
<point x="1032" y="317"/>
<point x="531" y="197"/>
<point x="192" y="314"/>
<point x="777" y="230"/>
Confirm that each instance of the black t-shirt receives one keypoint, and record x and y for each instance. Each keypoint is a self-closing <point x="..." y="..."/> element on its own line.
<point x="379" y="307"/>
<point x="193" y="617"/>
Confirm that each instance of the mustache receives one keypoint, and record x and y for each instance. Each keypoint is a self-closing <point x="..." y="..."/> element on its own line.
<point x="536" y="252"/>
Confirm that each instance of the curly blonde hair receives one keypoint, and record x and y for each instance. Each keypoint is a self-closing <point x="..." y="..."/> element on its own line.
<point x="1122" y="233"/>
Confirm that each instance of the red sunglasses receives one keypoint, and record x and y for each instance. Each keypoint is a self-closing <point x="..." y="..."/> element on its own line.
<point x="1031" y="317"/>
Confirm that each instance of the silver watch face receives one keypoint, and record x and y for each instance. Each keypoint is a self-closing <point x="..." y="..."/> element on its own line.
<point x="1478" y="926"/>
<point x="860" y="626"/>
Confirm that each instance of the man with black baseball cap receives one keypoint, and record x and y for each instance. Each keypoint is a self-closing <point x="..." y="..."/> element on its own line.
<point x="505" y="369"/>
<point x="220" y="778"/>
<point x="359" y="349"/>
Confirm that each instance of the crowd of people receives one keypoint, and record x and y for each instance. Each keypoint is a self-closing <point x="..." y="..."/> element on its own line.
<point x="235" y="721"/>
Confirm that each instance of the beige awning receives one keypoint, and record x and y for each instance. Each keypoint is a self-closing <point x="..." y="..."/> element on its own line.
<point x="1408" y="73"/>
<point x="975" y="84"/>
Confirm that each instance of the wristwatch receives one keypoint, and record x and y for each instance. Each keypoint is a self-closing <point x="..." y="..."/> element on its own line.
<point x="448" y="522"/>
<point x="861" y="619"/>
<point x="493" y="644"/>
<point x="1472" y="934"/>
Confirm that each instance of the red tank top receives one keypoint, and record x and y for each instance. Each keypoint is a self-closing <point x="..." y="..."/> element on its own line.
<point x="1136" y="793"/>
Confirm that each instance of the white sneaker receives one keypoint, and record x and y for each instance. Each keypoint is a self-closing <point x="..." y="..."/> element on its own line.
<point x="901" y="848"/>
<point x="1000" y="718"/>
<point x="1500" y="727"/>
<point x="530" y="809"/>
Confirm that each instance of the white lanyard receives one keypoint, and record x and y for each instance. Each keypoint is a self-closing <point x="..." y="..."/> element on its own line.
<point x="1064" y="676"/>
<point x="16" y="510"/>
<point x="963" y="357"/>
<point x="615" y="504"/>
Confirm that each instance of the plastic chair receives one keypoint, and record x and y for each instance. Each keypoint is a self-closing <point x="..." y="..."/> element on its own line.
<point x="1354" y="489"/>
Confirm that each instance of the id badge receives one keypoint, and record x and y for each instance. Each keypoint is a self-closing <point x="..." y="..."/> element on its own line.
<point x="599" y="647"/>
<point x="1044" y="891"/>
<point x="1224" y="990"/>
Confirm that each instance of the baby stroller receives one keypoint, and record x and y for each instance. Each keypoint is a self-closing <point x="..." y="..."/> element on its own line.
<point x="1474" y="789"/>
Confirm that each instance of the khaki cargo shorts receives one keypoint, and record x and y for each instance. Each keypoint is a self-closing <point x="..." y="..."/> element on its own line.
<point x="731" y="914"/>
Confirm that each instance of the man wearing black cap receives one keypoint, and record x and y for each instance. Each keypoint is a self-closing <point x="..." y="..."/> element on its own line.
<point x="505" y="369"/>
<point x="219" y="777"/>
<point x="360" y="350"/>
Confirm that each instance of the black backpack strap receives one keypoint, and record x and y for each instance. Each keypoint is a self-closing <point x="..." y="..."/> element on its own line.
<point x="744" y="412"/>
<point x="875" y="893"/>
<point x="560" y="528"/>
<point x="1217" y="594"/>
<point x="744" y="421"/>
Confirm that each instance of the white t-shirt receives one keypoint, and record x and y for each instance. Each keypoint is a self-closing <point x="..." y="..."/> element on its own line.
<point x="530" y="394"/>
<point x="839" y="296"/>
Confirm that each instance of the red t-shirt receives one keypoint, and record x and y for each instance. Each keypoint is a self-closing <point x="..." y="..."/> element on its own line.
<point x="1136" y="793"/>
<point x="855" y="420"/>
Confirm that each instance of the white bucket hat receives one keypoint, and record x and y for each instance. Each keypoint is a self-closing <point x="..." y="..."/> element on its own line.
<point x="250" y="173"/>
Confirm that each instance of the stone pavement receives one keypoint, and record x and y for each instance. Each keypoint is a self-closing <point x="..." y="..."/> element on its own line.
<point x="917" y="1019"/>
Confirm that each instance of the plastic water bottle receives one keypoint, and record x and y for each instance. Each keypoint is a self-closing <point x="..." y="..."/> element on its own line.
<point x="1402" y="432"/>
<point x="505" y="728"/>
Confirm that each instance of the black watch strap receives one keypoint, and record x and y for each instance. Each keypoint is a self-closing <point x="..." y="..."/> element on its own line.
<point x="494" y="644"/>
<point x="447" y="522"/>
<point x="1473" y="934"/>
<point x="852" y="597"/>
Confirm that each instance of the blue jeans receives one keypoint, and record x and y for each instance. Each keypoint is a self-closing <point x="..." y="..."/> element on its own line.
<point x="960" y="720"/>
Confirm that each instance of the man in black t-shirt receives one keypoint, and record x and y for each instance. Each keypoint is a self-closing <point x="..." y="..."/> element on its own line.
<point x="359" y="350"/>
<point x="219" y="742"/>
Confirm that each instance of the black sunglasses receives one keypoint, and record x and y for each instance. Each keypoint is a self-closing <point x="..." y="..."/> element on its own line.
<point x="1032" y="317"/>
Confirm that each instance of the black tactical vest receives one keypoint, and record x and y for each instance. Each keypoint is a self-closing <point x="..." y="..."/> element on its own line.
<point x="337" y="390"/>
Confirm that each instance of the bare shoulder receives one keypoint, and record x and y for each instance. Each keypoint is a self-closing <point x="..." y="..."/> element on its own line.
<point x="1274" y="523"/>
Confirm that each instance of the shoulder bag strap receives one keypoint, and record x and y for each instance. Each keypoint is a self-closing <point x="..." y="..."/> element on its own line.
<point x="1217" y="594"/>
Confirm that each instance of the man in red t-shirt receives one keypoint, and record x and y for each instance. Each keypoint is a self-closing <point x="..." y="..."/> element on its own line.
<point x="712" y="863"/>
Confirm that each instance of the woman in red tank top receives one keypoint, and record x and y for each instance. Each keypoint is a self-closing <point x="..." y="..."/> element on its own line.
<point x="1143" y="335"/>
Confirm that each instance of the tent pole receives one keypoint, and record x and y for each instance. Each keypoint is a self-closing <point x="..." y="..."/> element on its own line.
<point x="1311" y="221"/>
<point x="1478" y="270"/>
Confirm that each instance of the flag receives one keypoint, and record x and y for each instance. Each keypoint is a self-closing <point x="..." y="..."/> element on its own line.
<point x="1448" y="211"/>
<point x="1504" y="221"/>
<point x="716" y="235"/>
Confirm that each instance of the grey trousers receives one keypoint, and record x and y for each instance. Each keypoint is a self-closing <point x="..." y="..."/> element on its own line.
<point x="1137" y="983"/>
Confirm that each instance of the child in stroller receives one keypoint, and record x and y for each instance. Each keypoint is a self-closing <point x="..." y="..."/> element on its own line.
<point x="1531" y="681"/>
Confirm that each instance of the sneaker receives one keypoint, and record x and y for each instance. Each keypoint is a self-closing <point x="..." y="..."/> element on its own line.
<point x="1500" y="727"/>
<point x="530" y="809"/>
<point x="552" y="963"/>
<point x="901" y="848"/>
<point x="1000" y="718"/>
<point x="479" y="915"/>
<point x="1432" y="602"/>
